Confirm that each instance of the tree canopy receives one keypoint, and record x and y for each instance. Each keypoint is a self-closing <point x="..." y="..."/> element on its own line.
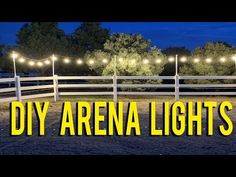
<point x="214" y="51"/>
<point x="131" y="51"/>
<point x="89" y="36"/>
<point x="41" y="39"/>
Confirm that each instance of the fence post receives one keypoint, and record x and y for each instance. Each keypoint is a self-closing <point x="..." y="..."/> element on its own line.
<point x="176" y="87"/>
<point x="55" y="87"/>
<point x="18" y="89"/>
<point x="115" y="88"/>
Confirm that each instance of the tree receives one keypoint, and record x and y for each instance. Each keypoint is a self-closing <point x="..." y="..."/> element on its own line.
<point x="6" y="63"/>
<point x="215" y="51"/>
<point x="40" y="40"/>
<point x="169" y="69"/>
<point x="131" y="52"/>
<point x="89" y="36"/>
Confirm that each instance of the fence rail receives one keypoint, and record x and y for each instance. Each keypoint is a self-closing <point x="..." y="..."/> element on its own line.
<point x="56" y="86"/>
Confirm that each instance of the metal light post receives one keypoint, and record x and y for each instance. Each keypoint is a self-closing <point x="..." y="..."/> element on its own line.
<point x="176" y="79"/>
<point x="114" y="65"/>
<point x="114" y="81"/>
<point x="14" y="56"/>
<point x="176" y="65"/>
<point x="53" y="64"/>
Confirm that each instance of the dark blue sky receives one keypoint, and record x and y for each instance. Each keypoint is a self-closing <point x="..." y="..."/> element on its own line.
<point x="162" y="34"/>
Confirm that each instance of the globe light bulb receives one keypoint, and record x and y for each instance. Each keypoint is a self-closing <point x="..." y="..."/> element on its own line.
<point x="171" y="59"/>
<point x="79" y="62"/>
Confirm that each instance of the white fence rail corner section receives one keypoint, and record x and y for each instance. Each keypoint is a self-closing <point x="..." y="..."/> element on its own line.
<point x="20" y="88"/>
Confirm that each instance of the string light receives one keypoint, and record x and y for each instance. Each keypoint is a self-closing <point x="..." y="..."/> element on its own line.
<point x="47" y="62"/>
<point x="66" y="60"/>
<point x="120" y="59"/>
<point x="21" y="60"/>
<point x="158" y="60"/>
<point x="14" y="54"/>
<point x="145" y="61"/>
<point x="40" y="64"/>
<point x="196" y="60"/>
<point x="222" y="59"/>
<point x="31" y="63"/>
<point x="105" y="61"/>
<point x="208" y="60"/>
<point x="91" y="62"/>
<point x="79" y="62"/>
<point x="171" y="59"/>
<point x="183" y="59"/>
<point x="133" y="61"/>
<point x="234" y="57"/>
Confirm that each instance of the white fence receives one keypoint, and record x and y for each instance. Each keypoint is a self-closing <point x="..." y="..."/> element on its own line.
<point x="56" y="86"/>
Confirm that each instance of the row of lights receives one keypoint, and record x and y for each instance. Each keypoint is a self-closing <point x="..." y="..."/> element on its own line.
<point x="91" y="62"/>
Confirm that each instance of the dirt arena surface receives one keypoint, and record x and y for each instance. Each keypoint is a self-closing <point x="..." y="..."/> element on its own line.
<point x="52" y="144"/>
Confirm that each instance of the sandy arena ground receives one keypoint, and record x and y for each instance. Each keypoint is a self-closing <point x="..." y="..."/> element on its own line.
<point x="140" y="145"/>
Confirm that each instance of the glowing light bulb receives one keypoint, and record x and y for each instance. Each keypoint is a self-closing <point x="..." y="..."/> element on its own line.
<point x="145" y="61"/>
<point x="234" y="57"/>
<point x="208" y="60"/>
<point x="21" y="60"/>
<point x="133" y="61"/>
<point x="196" y="60"/>
<point x="47" y="62"/>
<point x="54" y="58"/>
<point x="14" y="54"/>
<point x="104" y="60"/>
<point x="158" y="60"/>
<point x="171" y="59"/>
<point x="31" y="63"/>
<point x="222" y="59"/>
<point x="79" y="62"/>
<point x="183" y="59"/>
<point x="66" y="60"/>
<point x="120" y="59"/>
<point x="91" y="62"/>
<point x="40" y="64"/>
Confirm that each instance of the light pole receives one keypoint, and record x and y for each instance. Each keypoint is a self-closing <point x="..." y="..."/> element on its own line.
<point x="53" y="64"/>
<point x="114" y="81"/>
<point x="14" y="56"/>
<point x="176" y="65"/>
<point x="114" y="65"/>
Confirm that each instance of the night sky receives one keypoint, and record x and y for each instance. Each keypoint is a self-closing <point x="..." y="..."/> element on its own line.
<point x="162" y="34"/>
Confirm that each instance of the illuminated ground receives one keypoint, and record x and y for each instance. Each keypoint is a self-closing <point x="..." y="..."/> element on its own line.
<point x="54" y="144"/>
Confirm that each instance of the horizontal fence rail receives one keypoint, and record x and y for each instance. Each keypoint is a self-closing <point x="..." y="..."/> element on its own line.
<point x="20" y="88"/>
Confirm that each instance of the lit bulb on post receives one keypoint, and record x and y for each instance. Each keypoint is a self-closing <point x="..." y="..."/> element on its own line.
<point x="54" y="58"/>
<point x="14" y="55"/>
